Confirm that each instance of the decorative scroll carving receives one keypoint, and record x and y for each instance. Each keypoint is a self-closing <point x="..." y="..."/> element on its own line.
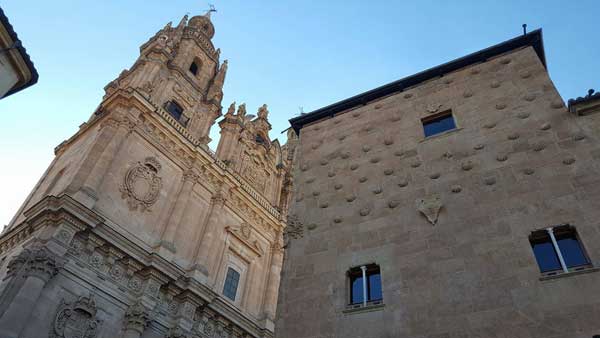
<point x="37" y="261"/>
<point x="293" y="230"/>
<point x="136" y="318"/>
<point x="430" y="207"/>
<point x="76" y="320"/>
<point x="141" y="186"/>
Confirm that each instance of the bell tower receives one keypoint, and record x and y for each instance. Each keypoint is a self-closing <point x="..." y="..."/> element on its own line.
<point x="138" y="226"/>
<point x="179" y="71"/>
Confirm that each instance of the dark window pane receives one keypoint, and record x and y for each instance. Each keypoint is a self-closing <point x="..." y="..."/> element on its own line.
<point x="194" y="68"/>
<point x="231" y="283"/>
<point x="546" y="256"/>
<point x="356" y="290"/>
<point x="375" y="286"/>
<point x="174" y="109"/>
<point x="571" y="250"/>
<point x="439" y="125"/>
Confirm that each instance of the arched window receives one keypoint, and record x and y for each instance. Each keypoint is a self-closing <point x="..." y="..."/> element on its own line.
<point x="195" y="66"/>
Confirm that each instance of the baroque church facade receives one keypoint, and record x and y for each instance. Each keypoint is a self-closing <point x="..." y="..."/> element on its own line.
<point x="137" y="229"/>
<point x="462" y="201"/>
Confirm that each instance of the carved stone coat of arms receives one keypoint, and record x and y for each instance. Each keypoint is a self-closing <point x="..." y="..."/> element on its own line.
<point x="76" y="319"/>
<point x="141" y="186"/>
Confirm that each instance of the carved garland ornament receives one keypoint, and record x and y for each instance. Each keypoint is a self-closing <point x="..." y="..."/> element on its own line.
<point x="76" y="320"/>
<point x="141" y="186"/>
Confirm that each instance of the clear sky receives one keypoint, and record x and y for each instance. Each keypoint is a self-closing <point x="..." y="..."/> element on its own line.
<point x="288" y="54"/>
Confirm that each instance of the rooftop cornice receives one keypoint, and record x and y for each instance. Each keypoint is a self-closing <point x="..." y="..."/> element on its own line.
<point x="533" y="39"/>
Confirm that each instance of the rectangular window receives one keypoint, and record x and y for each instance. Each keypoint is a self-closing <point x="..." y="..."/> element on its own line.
<point x="558" y="249"/>
<point x="438" y="124"/>
<point x="231" y="284"/>
<point x="177" y="112"/>
<point x="368" y="276"/>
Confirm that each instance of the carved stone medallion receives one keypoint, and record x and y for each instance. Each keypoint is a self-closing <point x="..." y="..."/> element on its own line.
<point x="76" y="320"/>
<point x="141" y="186"/>
<point x="430" y="207"/>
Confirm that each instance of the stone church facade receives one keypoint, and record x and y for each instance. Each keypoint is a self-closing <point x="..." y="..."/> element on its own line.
<point x="462" y="201"/>
<point x="137" y="229"/>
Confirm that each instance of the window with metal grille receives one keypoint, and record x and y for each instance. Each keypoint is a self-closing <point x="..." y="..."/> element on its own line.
<point x="558" y="249"/>
<point x="231" y="284"/>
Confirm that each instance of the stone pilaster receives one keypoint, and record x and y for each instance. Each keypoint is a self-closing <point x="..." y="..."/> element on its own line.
<point x="36" y="266"/>
<point x="170" y="231"/>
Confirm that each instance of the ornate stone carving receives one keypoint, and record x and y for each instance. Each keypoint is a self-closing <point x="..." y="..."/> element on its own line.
<point x="136" y="318"/>
<point x="430" y="207"/>
<point x="76" y="319"/>
<point x="36" y="261"/>
<point x="293" y="230"/>
<point x="141" y="186"/>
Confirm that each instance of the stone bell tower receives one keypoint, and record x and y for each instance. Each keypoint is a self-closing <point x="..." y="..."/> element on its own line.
<point x="178" y="69"/>
<point x="137" y="229"/>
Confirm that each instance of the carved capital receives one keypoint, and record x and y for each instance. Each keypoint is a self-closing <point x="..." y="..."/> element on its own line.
<point x="137" y="318"/>
<point x="38" y="262"/>
<point x="190" y="176"/>
<point x="176" y="332"/>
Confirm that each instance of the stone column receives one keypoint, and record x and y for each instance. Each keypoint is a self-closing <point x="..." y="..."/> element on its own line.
<point x="272" y="288"/>
<point x="136" y="321"/>
<point x="170" y="230"/>
<point x="39" y="266"/>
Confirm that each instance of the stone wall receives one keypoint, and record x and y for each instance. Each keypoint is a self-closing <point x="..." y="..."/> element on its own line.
<point x="517" y="162"/>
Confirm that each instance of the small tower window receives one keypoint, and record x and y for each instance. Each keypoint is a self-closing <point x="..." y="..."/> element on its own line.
<point x="231" y="284"/>
<point x="365" y="285"/>
<point x="438" y="124"/>
<point x="558" y="249"/>
<point x="176" y="111"/>
<point x="194" y="68"/>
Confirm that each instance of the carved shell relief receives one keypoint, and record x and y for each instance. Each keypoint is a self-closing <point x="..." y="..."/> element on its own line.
<point x="141" y="186"/>
<point x="76" y="319"/>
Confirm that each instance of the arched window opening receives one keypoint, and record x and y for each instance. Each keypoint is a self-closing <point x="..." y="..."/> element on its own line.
<point x="195" y="67"/>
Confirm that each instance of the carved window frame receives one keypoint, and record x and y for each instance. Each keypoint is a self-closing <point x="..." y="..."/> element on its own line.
<point x="236" y="262"/>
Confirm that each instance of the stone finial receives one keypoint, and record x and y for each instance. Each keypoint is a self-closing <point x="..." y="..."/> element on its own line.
<point x="241" y="112"/>
<point x="430" y="207"/>
<point x="231" y="109"/>
<point x="263" y="112"/>
<point x="215" y="92"/>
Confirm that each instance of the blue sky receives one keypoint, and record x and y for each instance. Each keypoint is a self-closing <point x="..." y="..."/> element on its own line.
<point x="288" y="54"/>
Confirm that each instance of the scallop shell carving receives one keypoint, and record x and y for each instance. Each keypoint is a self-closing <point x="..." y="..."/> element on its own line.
<point x="316" y="193"/>
<point x="523" y="115"/>
<point x="324" y="205"/>
<point x="342" y="137"/>
<point x="495" y="84"/>
<point x="479" y="146"/>
<point x="395" y="117"/>
<point x="377" y="106"/>
<point x="434" y="176"/>
<point x="528" y="171"/>
<point x="388" y="172"/>
<point x="539" y="146"/>
<point x="350" y="198"/>
<point x="365" y="211"/>
<point x="456" y="189"/>
<point x="489" y="181"/>
<point x="415" y="164"/>
<point x="513" y="136"/>
<point x="366" y="148"/>
<point x="505" y="61"/>
<point x="393" y="203"/>
<point x="345" y="155"/>
<point x="311" y="226"/>
<point x="355" y="114"/>
<point x="545" y="126"/>
<point x="502" y="157"/>
<point x="475" y="71"/>
<point x="489" y="125"/>
<point x="408" y="95"/>
<point x="403" y="183"/>
<point x="557" y="104"/>
<point x="500" y="106"/>
<point x="375" y="160"/>
<point x="310" y="180"/>
<point x="304" y="167"/>
<point x="525" y="74"/>
<point x="353" y="166"/>
<point x="569" y="160"/>
<point x="362" y="179"/>
<point x="324" y="162"/>
<point x="338" y="186"/>
<point x="466" y="166"/>
<point x="467" y="93"/>
<point x="578" y="136"/>
<point x="388" y="141"/>
<point x="377" y="190"/>
<point x="448" y="80"/>
<point x="529" y="97"/>
<point x="331" y="174"/>
<point x="337" y="220"/>
<point x="430" y="207"/>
